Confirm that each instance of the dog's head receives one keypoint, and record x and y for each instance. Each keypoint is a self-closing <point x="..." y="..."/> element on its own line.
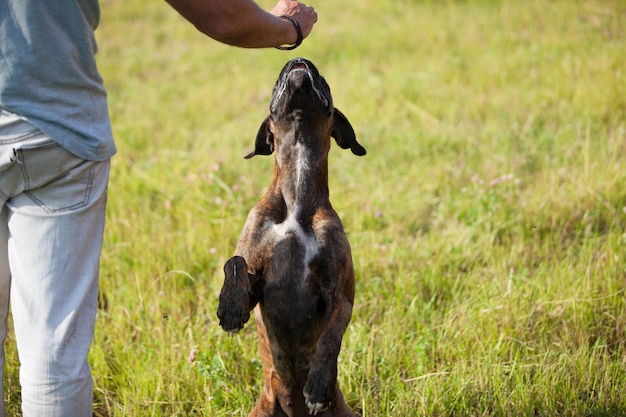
<point x="301" y="95"/>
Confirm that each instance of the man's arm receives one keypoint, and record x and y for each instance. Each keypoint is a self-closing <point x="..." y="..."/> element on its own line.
<point x="243" y="23"/>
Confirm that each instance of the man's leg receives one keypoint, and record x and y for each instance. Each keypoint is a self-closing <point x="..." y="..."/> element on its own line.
<point x="5" y="280"/>
<point x="12" y="131"/>
<point x="56" y="229"/>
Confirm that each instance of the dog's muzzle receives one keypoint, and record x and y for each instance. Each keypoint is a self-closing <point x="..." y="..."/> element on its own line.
<point x="300" y="76"/>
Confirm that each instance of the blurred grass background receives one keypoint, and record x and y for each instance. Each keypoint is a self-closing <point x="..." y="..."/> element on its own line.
<point x="487" y="220"/>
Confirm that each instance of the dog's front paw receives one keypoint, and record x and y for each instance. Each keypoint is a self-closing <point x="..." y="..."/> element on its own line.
<point x="233" y="309"/>
<point x="234" y="302"/>
<point x="320" y="388"/>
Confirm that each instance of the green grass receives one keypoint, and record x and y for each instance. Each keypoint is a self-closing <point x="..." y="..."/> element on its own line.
<point x="487" y="221"/>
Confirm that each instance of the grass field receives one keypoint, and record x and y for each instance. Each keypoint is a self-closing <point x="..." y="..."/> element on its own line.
<point x="487" y="221"/>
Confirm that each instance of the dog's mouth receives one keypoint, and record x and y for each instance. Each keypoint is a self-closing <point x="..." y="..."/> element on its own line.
<point x="299" y="66"/>
<point x="299" y="76"/>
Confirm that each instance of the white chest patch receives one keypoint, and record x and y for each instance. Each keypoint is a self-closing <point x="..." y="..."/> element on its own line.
<point x="306" y="240"/>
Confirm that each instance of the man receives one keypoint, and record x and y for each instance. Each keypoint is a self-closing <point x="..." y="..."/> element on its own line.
<point x="55" y="150"/>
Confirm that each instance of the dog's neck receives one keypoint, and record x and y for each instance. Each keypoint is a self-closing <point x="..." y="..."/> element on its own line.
<point x="301" y="176"/>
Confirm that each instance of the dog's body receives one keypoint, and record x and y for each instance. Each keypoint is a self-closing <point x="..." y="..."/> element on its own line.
<point x="293" y="263"/>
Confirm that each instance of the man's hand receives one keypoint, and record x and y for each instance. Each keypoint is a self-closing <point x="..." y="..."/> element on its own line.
<point x="243" y="23"/>
<point x="305" y="15"/>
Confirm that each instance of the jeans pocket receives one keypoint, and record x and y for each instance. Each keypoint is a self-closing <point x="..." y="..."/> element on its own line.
<point x="55" y="179"/>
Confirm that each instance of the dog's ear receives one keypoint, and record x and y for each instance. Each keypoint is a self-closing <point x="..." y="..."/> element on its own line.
<point x="344" y="134"/>
<point x="264" y="143"/>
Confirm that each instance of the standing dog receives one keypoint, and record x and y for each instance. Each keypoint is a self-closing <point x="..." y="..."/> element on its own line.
<point x="293" y="263"/>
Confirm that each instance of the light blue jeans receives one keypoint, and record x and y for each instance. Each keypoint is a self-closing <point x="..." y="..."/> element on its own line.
<point x="52" y="212"/>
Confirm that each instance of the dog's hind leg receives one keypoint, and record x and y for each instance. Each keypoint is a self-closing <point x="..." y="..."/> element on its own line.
<point x="238" y="295"/>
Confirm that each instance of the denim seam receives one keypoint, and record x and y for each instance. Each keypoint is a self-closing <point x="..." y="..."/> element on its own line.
<point x="21" y="137"/>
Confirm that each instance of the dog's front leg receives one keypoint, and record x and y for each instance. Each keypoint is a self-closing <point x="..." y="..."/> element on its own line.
<point x="321" y="385"/>
<point x="238" y="295"/>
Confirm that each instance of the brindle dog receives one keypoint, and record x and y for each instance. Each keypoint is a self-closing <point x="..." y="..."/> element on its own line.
<point x="293" y="263"/>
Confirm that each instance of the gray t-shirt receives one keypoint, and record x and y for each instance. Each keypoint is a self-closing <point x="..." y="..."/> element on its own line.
<point x="48" y="72"/>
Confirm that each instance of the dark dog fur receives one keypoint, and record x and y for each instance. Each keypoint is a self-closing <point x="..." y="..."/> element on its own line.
<point x="293" y="263"/>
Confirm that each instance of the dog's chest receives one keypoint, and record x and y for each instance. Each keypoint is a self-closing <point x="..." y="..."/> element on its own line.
<point x="295" y="245"/>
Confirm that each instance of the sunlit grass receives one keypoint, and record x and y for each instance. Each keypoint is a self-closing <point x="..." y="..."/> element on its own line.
<point x="487" y="220"/>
